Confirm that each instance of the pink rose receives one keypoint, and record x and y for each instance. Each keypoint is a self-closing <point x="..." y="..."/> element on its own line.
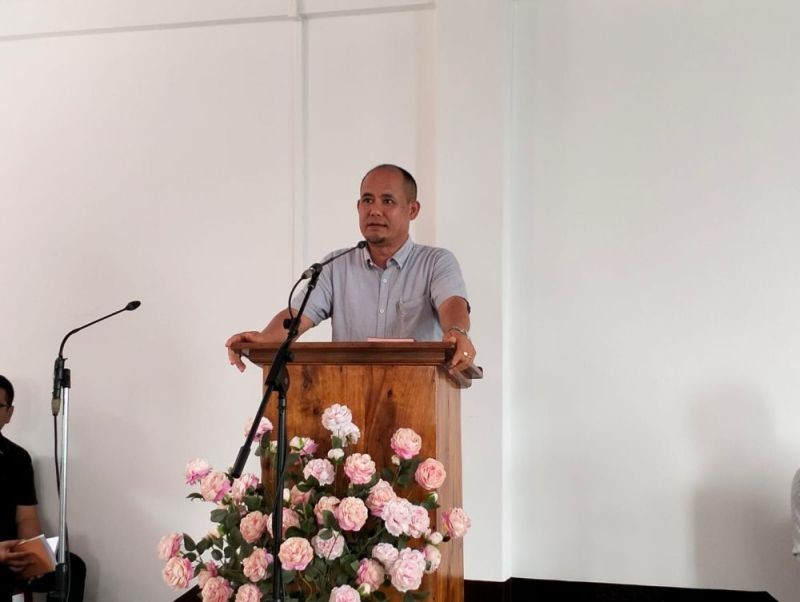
<point x="289" y="518"/>
<point x="177" y="572"/>
<point x="349" y="434"/>
<point x="433" y="558"/>
<point x="298" y="498"/>
<point x="296" y="553"/>
<point x="207" y="573"/>
<point x="253" y="526"/>
<point x="169" y="546"/>
<point x="370" y="572"/>
<point x="255" y="566"/>
<point x="326" y="502"/>
<point x="344" y="593"/>
<point x="359" y="468"/>
<point x="420" y="521"/>
<point x="406" y="443"/>
<point x="380" y="494"/>
<point x="305" y="445"/>
<point x="217" y="589"/>
<point x="430" y="474"/>
<point x="397" y="516"/>
<point x="335" y="417"/>
<point x="320" y="469"/>
<point x="214" y="486"/>
<point x="264" y="427"/>
<point x="248" y="593"/>
<point x="406" y="573"/>
<point x="386" y="554"/>
<point x="196" y="470"/>
<point x="351" y="514"/>
<point x="241" y="485"/>
<point x="329" y="549"/>
<point x="456" y="522"/>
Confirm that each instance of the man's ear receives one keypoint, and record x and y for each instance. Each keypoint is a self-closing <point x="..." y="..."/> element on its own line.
<point x="414" y="208"/>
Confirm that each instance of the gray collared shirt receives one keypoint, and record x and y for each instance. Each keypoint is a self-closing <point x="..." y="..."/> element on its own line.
<point x="400" y="301"/>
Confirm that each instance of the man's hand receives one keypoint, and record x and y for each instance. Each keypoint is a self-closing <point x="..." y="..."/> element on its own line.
<point x="16" y="561"/>
<point x="249" y="336"/>
<point x="465" y="350"/>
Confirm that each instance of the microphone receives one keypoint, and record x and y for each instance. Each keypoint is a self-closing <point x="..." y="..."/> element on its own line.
<point x="58" y="369"/>
<point x="316" y="268"/>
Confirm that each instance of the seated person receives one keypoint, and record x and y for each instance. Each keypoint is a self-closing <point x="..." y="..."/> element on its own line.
<point x="19" y="518"/>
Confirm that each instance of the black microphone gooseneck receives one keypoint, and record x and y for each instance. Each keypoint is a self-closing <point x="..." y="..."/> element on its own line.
<point x="61" y="387"/>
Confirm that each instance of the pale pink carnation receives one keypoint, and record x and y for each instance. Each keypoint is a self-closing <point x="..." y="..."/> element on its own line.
<point x="335" y="417"/>
<point x="177" y="572"/>
<point x="349" y="434"/>
<point x="295" y="554"/>
<point x="264" y="427"/>
<point x="420" y="521"/>
<point x="214" y="486"/>
<point x="207" y="573"/>
<point x="386" y="554"/>
<point x="326" y="502"/>
<point x="241" y="485"/>
<point x="196" y="470"/>
<point x="406" y="573"/>
<point x="337" y="453"/>
<point x="289" y="518"/>
<point x="370" y="572"/>
<point x="248" y="593"/>
<point x="331" y="548"/>
<point x="344" y="593"/>
<point x="430" y="474"/>
<point x="406" y="443"/>
<point x="380" y="494"/>
<point x="433" y="558"/>
<point x="298" y="498"/>
<point x="255" y="566"/>
<point x="359" y="468"/>
<point x="305" y="445"/>
<point x="351" y="513"/>
<point x="217" y="589"/>
<point x="320" y="469"/>
<point x="456" y="522"/>
<point x="253" y="526"/>
<point x="397" y="516"/>
<point x="169" y="546"/>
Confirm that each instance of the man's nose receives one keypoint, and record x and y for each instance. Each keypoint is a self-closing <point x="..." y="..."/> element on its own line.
<point x="374" y="210"/>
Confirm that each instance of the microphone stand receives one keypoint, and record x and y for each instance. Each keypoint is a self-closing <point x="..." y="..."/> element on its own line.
<point x="278" y="381"/>
<point x="62" y="382"/>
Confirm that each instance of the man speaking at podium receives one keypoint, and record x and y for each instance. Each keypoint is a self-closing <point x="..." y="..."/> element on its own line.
<point x="392" y="288"/>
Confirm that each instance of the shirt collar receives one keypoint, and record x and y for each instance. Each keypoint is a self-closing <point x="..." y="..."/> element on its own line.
<point x="399" y="258"/>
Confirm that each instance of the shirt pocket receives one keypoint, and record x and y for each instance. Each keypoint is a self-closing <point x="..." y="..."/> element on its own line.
<point x="411" y="308"/>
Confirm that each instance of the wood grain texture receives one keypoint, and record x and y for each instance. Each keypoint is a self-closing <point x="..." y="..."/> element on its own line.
<point x="416" y="394"/>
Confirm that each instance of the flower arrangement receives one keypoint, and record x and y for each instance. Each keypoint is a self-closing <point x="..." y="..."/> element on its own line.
<point x="348" y="532"/>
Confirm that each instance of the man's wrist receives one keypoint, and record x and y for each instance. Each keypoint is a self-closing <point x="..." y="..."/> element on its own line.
<point x="459" y="330"/>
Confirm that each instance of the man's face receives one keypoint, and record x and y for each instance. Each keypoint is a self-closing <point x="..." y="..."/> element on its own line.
<point x="5" y="409"/>
<point x="384" y="210"/>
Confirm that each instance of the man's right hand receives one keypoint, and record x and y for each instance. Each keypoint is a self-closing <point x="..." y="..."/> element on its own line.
<point x="249" y="336"/>
<point x="16" y="561"/>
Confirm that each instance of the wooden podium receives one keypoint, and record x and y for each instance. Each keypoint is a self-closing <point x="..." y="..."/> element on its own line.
<point x="387" y="386"/>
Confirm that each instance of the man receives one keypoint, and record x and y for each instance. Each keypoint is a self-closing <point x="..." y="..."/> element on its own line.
<point x="391" y="289"/>
<point x="19" y="518"/>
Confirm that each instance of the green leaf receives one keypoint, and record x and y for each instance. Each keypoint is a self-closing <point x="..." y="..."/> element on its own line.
<point x="252" y="502"/>
<point x="379" y="596"/>
<point x="420" y="595"/>
<point x="409" y="597"/>
<point x="203" y="545"/>
<point x="325" y="534"/>
<point x="194" y="496"/>
<point x="288" y="576"/>
<point x="336" y="442"/>
<point x="218" y="515"/>
<point x="216" y="554"/>
<point x="235" y="537"/>
<point x="294" y="532"/>
<point x="387" y="475"/>
<point x="188" y="543"/>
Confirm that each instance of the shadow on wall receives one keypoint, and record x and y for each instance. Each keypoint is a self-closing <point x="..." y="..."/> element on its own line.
<point x="742" y="526"/>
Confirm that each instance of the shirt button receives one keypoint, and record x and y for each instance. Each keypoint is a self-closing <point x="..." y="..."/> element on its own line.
<point x="381" y="310"/>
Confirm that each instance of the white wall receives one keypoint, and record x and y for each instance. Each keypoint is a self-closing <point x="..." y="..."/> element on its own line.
<point x="655" y="234"/>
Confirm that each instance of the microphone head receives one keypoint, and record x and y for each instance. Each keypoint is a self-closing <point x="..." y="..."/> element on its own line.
<point x="133" y="305"/>
<point x="361" y="244"/>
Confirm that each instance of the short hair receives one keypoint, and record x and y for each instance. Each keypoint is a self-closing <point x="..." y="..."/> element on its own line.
<point x="6" y="386"/>
<point x="409" y="183"/>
